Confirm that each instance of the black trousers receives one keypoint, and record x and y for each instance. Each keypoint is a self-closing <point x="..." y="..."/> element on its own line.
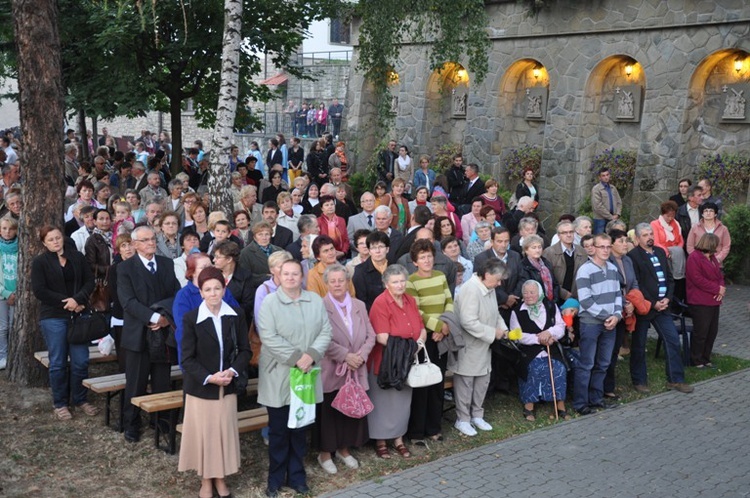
<point x="138" y="369"/>
<point x="705" y="330"/>
<point x="286" y="450"/>
<point x="427" y="402"/>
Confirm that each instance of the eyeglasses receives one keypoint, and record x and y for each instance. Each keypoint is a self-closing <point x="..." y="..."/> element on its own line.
<point x="567" y="232"/>
<point x="606" y="248"/>
<point x="378" y="247"/>
<point x="146" y="239"/>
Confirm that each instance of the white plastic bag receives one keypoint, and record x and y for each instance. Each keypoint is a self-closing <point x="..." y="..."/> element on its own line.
<point x="302" y="390"/>
<point x="106" y="345"/>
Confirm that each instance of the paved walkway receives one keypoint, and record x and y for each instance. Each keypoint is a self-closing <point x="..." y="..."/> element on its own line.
<point x="668" y="445"/>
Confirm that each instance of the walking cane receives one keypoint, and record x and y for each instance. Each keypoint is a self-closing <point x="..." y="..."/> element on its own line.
<point x="552" y="380"/>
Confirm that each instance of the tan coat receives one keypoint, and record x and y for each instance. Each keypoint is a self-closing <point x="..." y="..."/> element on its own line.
<point x="600" y="202"/>
<point x="555" y="256"/>
<point x="476" y="307"/>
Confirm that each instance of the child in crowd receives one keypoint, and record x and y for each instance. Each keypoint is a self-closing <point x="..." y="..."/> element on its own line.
<point x="9" y="260"/>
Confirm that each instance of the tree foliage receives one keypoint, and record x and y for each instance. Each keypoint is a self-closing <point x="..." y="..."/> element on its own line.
<point x="452" y="30"/>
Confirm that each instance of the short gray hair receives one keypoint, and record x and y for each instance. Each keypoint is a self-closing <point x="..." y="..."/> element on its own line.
<point x="134" y="235"/>
<point x="70" y="147"/>
<point x="491" y="266"/>
<point x="392" y="271"/>
<point x="577" y="221"/>
<point x="334" y="268"/>
<point x="527" y="222"/>
<point x="383" y="209"/>
<point x="531" y="240"/>
<point x="640" y="227"/>
<point x="176" y="183"/>
<point x="306" y="222"/>
<point x="524" y="201"/>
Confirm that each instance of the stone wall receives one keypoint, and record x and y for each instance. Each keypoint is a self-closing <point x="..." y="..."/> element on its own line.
<point x="681" y="52"/>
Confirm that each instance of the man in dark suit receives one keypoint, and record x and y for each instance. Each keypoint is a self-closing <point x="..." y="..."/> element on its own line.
<point x="473" y="188"/>
<point x="657" y="285"/>
<point x="274" y="155"/>
<point x="508" y="294"/>
<point x="139" y="176"/>
<point x="419" y="219"/>
<point x="280" y="236"/>
<point x="383" y="216"/>
<point x="307" y="224"/>
<point x="688" y="215"/>
<point x="142" y="281"/>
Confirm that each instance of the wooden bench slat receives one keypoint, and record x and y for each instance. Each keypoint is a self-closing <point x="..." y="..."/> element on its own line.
<point x="248" y="420"/>
<point x="116" y="382"/>
<point x="171" y="400"/>
<point x="94" y="356"/>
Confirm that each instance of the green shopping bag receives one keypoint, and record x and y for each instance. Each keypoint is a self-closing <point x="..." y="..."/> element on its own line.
<point x="302" y="389"/>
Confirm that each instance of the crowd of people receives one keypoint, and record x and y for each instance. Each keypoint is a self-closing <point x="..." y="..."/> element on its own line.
<point x="302" y="279"/>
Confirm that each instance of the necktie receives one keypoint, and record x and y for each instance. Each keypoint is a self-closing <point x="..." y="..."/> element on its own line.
<point x="369" y="220"/>
<point x="152" y="267"/>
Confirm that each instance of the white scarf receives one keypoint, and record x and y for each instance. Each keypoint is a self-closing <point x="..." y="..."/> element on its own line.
<point x="668" y="230"/>
<point x="403" y="162"/>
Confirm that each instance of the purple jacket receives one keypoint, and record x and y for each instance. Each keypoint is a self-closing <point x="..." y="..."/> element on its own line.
<point x="341" y="344"/>
<point x="703" y="279"/>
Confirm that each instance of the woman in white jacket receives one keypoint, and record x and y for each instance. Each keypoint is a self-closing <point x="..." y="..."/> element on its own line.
<point x="480" y="319"/>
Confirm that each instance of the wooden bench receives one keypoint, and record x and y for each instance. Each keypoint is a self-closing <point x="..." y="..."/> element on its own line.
<point x="94" y="356"/>
<point x="248" y="420"/>
<point x="113" y="385"/>
<point x="173" y="401"/>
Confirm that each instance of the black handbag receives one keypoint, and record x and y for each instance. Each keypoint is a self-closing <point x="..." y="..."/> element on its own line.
<point x="87" y="326"/>
<point x="240" y="382"/>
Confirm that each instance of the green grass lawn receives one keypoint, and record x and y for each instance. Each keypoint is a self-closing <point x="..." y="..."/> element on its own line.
<point x="503" y="411"/>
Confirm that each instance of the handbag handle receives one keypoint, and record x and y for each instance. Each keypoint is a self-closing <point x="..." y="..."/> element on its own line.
<point x="426" y="354"/>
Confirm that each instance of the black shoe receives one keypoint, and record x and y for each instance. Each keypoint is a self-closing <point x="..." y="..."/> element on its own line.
<point x="603" y="406"/>
<point x="586" y="410"/>
<point x="272" y="493"/>
<point x="132" y="436"/>
<point x="301" y="489"/>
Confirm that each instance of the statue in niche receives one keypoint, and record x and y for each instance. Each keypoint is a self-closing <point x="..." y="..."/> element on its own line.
<point x="459" y="104"/>
<point x="534" y="106"/>
<point x="734" y="104"/>
<point x="394" y="104"/>
<point x="625" y="107"/>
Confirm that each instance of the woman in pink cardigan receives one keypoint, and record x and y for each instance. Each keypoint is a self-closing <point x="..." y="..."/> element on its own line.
<point x="705" y="291"/>
<point x="352" y="340"/>
<point x="710" y="224"/>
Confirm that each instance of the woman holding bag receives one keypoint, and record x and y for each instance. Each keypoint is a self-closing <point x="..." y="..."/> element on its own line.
<point x="352" y="339"/>
<point x="214" y="350"/>
<point x="430" y="289"/>
<point x="295" y="332"/>
<point x="62" y="281"/>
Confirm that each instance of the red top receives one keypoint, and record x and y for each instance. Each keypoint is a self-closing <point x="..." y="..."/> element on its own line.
<point x="387" y="317"/>
<point x="498" y="204"/>
<point x="704" y="277"/>
<point x="340" y="236"/>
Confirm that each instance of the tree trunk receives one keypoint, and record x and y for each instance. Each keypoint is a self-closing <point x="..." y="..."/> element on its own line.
<point x="41" y="105"/>
<point x="218" y="179"/>
<point x="94" y="136"/>
<point x="175" y="117"/>
<point x="85" y="154"/>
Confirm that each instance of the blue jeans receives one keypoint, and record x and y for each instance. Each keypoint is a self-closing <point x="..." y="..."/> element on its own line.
<point x="599" y="226"/>
<point x="664" y="326"/>
<point x="55" y="332"/>
<point x="595" y="345"/>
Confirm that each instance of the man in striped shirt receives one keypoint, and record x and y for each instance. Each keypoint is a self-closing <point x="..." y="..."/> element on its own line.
<point x="600" y="296"/>
<point x="657" y="285"/>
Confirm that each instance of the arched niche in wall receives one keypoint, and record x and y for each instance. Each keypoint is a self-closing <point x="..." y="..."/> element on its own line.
<point x="613" y="102"/>
<point x="717" y="117"/>
<point x="447" y="105"/>
<point x="524" y="90"/>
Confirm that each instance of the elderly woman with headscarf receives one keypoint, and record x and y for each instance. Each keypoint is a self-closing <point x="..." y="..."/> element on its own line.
<point x="542" y="325"/>
<point x="352" y="339"/>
